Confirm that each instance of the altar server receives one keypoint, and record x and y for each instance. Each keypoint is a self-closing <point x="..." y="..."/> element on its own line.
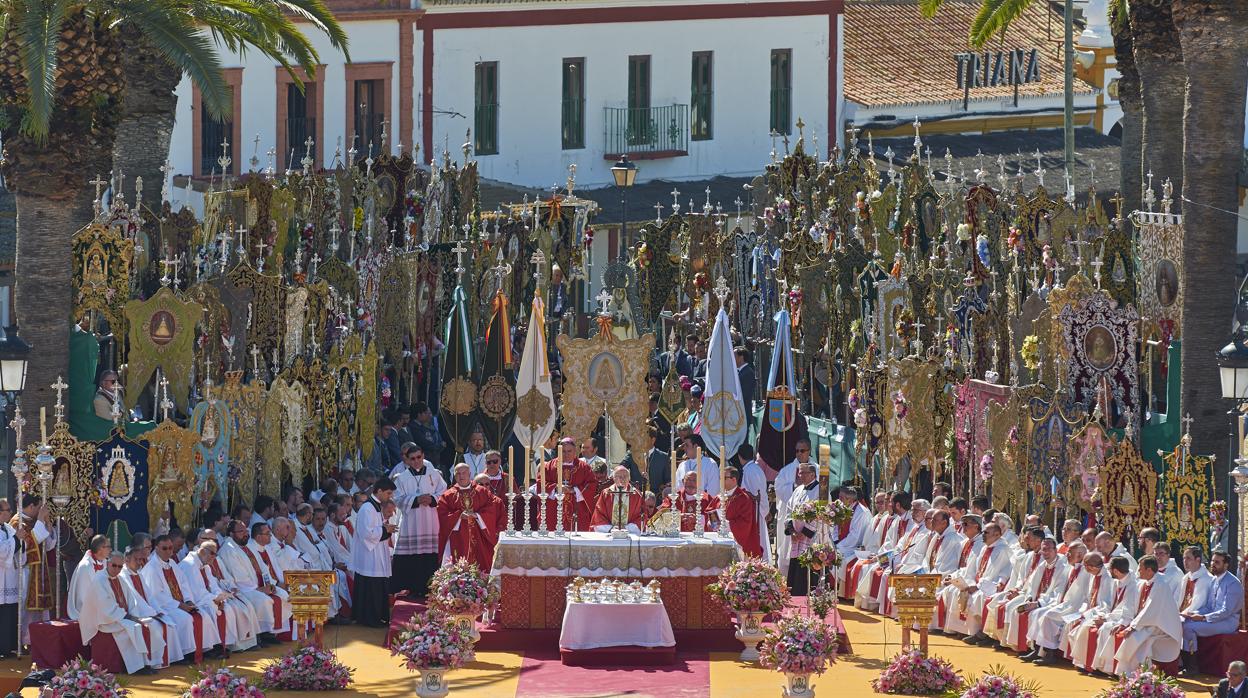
<point x="81" y="583"/>
<point x="238" y="619"/>
<point x="1219" y="615"/>
<point x="110" y="606"/>
<point x="370" y="558"/>
<point x="175" y="650"/>
<point x="36" y="541"/>
<point x="168" y="591"/>
<point x="256" y="581"/>
<point x="741" y="512"/>
<point x="1156" y="634"/>
<point x="10" y="584"/>
<point x="620" y="505"/>
<point x="468" y="520"/>
<point x="416" y="558"/>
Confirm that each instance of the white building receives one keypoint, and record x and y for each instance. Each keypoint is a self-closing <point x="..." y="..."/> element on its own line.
<point x="693" y="89"/>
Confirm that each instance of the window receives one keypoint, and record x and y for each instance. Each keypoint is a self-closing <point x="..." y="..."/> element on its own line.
<point x="300" y="123"/>
<point x="4" y="306"/>
<point x="700" y="96"/>
<point x="485" y="119"/>
<point x="573" y="103"/>
<point x="370" y="117"/>
<point x="214" y="134"/>
<point x="781" y="90"/>
<point x="639" y="126"/>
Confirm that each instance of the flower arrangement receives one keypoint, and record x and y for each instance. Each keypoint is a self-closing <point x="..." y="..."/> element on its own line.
<point x="222" y="683"/>
<point x="307" y="668"/>
<point x="798" y="645"/>
<point x="461" y="588"/>
<point x="912" y="674"/>
<point x="821" y="600"/>
<point x="751" y="585"/>
<point x="820" y="555"/>
<point x="998" y="683"/>
<point x="831" y="513"/>
<point x="1030" y="352"/>
<point x="860" y="417"/>
<point x="82" y="679"/>
<point x="1147" y="683"/>
<point x="1217" y="513"/>
<point x="985" y="467"/>
<point x="432" y="640"/>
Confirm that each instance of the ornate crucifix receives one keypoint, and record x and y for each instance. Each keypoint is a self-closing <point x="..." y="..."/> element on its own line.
<point x="59" y="386"/>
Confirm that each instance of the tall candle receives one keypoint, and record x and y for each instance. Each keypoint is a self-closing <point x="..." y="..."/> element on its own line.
<point x="43" y="424"/>
<point x="511" y="469"/>
<point x="722" y="468"/>
<point x="697" y="459"/>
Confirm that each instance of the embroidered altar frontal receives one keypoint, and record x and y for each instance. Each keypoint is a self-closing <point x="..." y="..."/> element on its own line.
<point x="535" y="573"/>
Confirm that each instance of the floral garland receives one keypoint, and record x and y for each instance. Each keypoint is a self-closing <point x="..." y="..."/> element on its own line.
<point x="307" y="669"/>
<point x="751" y="585"/>
<point x="912" y="674"/>
<point x="222" y="683"/>
<point x="798" y="645"/>
<point x="432" y="640"/>
<point x="998" y="683"/>
<point x="82" y="679"/>
<point x="1146" y="684"/>
<point x="819" y="556"/>
<point x="461" y="587"/>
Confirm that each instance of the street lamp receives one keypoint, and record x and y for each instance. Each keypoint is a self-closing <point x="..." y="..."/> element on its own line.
<point x="14" y="354"/>
<point x="1233" y="368"/>
<point x="625" y="173"/>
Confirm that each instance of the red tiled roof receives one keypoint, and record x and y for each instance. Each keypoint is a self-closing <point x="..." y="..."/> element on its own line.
<point x="895" y="56"/>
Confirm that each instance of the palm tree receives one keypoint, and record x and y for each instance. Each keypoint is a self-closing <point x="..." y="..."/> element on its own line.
<point x="1131" y="169"/>
<point x="1159" y="64"/>
<point x="1214" y="34"/>
<point x="61" y="80"/>
<point x="149" y="103"/>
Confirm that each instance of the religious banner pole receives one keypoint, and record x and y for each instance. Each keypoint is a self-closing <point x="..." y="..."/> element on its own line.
<point x="19" y="470"/>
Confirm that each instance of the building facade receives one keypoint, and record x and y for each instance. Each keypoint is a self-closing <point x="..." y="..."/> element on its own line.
<point x="534" y="86"/>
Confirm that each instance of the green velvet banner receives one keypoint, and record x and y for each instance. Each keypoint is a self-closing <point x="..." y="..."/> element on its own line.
<point x="84" y="358"/>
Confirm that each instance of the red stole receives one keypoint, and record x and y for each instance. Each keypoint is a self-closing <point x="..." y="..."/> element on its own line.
<point x="966" y="552"/>
<point x="984" y="557"/>
<point x="203" y="572"/>
<point x="171" y="579"/>
<point x="197" y="619"/>
<point x="1096" y="590"/>
<point x="255" y="567"/>
<point x="931" y="558"/>
<point x="1046" y="579"/>
<point x="264" y="555"/>
<point x="1188" y="590"/>
<point x="1148" y="587"/>
<point x="1122" y="590"/>
<point x="164" y="629"/>
<point x="118" y="594"/>
<point x="842" y="530"/>
<point x="1070" y="581"/>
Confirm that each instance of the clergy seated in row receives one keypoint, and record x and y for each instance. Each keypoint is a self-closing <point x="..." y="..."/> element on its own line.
<point x="906" y="557"/>
<point x="1044" y="587"/>
<point x="1155" y="633"/>
<point x="246" y="559"/>
<point x="872" y="580"/>
<point x="468" y="516"/>
<point x="170" y="593"/>
<point x="83" y="580"/>
<point x="690" y="503"/>
<point x="109" y="605"/>
<point x="176" y="649"/>
<point x="619" y="506"/>
<point x="1084" y="635"/>
<point x="1219" y="614"/>
<point x="966" y="596"/>
<point x="970" y="544"/>
<point x="851" y="535"/>
<point x="1086" y="585"/>
<point x="1022" y="563"/>
<point x="850" y="569"/>
<point x="237" y="621"/>
<point x="938" y="552"/>
<point x="314" y="547"/>
<point x="800" y="534"/>
<point x="579" y="489"/>
<point x="371" y="556"/>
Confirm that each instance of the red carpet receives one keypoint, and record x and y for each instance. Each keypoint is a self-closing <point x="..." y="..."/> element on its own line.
<point x="543" y="676"/>
<point x="619" y="656"/>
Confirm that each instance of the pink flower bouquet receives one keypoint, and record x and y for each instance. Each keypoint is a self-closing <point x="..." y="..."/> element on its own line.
<point x="912" y="674"/>
<point x="461" y="588"/>
<point x="82" y="679"/>
<point x="997" y="683"/>
<point x="433" y="640"/>
<point x="307" y="668"/>
<point x="222" y="683"/>
<point x="798" y="645"/>
<point x="751" y="585"/>
<point x="831" y="513"/>
<point x="820" y="556"/>
<point x="1146" y="684"/>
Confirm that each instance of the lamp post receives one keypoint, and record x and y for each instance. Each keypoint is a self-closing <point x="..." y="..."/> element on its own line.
<point x="625" y="173"/>
<point x="1233" y="368"/>
<point x="14" y="354"/>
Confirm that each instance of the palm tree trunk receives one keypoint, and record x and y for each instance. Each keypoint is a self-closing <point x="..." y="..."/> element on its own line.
<point x="1215" y="38"/>
<point x="148" y="107"/>
<point x="1132" y="185"/>
<point x="1159" y="64"/>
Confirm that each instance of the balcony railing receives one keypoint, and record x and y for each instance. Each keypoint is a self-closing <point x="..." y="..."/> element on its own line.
<point x="654" y="132"/>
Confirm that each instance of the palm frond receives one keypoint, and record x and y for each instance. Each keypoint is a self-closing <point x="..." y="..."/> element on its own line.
<point x="38" y="30"/>
<point x="994" y="17"/>
<point x="176" y="37"/>
<point x="929" y="7"/>
<point x="317" y="13"/>
<point x="1117" y="11"/>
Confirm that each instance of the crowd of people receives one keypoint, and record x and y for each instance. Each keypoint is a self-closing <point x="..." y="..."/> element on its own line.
<point x="1078" y="596"/>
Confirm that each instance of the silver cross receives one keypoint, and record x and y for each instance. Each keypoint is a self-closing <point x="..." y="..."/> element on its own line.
<point x="675" y="201"/>
<point x="658" y="212"/>
<point x="604" y="299"/>
<point x="59" y="386"/>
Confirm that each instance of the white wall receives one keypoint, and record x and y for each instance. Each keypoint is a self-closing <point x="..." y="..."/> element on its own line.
<point x="529" y="68"/>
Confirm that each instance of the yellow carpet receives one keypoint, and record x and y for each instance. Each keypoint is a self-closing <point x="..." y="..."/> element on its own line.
<point x="497" y="674"/>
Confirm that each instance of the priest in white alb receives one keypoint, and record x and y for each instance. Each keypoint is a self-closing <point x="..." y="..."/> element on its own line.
<point x="848" y="571"/>
<point x="255" y="583"/>
<point x="110" y="606"/>
<point x="1043" y="586"/>
<point x="967" y="594"/>
<point x="154" y="618"/>
<point x="235" y="620"/>
<point x="370" y="557"/>
<point x="1089" y="589"/>
<point x="1156" y="632"/>
<point x="168" y="591"/>
<point x="91" y="564"/>
<point x="1084" y="636"/>
<point x="1193" y="588"/>
<point x="1023" y="561"/>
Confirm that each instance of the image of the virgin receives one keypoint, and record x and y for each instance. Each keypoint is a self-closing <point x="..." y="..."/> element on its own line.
<point x="161" y="327"/>
<point x="606" y="376"/>
<point x="1167" y="283"/>
<point x="1099" y="348"/>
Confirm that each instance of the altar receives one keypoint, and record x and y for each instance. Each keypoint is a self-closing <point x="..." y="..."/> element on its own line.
<point x="535" y="572"/>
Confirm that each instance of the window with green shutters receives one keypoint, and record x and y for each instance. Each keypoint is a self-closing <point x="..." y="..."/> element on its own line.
<point x="485" y="118"/>
<point x="701" y="97"/>
<point x="781" y="90"/>
<point x="573" y="121"/>
<point x="640" y="129"/>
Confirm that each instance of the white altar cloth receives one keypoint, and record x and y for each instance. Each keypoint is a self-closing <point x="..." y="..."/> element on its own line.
<point x="588" y="626"/>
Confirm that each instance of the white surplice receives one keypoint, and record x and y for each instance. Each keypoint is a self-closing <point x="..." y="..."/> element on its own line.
<point x="370" y="555"/>
<point x="250" y="574"/>
<point x="100" y="612"/>
<point x="1156" y="634"/>
<point x="156" y="621"/>
<point x="80" y="584"/>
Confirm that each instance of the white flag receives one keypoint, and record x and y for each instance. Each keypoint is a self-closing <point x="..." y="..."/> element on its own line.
<point x="535" y="398"/>
<point x="724" y="421"/>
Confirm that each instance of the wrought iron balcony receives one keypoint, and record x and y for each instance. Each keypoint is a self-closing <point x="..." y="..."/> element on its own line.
<point x="647" y="134"/>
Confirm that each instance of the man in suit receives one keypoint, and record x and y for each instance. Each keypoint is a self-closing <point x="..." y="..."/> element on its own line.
<point x="1234" y="685"/>
<point x="1218" y="616"/>
<point x="658" y="472"/>
<point x="745" y="373"/>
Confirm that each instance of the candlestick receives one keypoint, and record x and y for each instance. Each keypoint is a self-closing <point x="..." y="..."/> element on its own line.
<point x="511" y="513"/>
<point x="559" y="514"/>
<point x="528" y="507"/>
<point x="541" y="516"/>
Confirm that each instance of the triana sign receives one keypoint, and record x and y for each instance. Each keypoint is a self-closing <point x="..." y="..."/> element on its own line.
<point x="994" y="69"/>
